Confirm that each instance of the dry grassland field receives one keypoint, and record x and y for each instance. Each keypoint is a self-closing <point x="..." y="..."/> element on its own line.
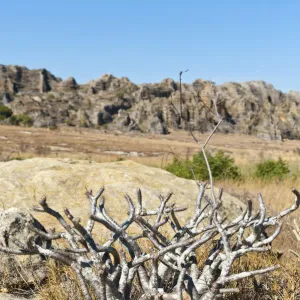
<point x="148" y="149"/>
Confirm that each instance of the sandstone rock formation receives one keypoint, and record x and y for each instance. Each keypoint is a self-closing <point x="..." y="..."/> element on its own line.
<point x="63" y="181"/>
<point x="21" y="79"/>
<point x="253" y="107"/>
<point x="68" y="84"/>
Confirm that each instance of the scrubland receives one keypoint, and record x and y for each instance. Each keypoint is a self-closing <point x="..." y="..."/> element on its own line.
<point x="158" y="151"/>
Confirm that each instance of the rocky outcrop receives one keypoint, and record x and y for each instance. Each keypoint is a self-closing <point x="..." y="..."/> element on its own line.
<point x="15" y="223"/>
<point x="126" y="123"/>
<point x="109" y="83"/>
<point x="16" y="79"/>
<point x="68" y="84"/>
<point x="253" y="108"/>
<point x="157" y="125"/>
<point x="63" y="181"/>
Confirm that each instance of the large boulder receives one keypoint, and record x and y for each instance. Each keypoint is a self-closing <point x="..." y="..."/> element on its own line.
<point x="64" y="181"/>
<point x="18" y="272"/>
<point x="15" y="222"/>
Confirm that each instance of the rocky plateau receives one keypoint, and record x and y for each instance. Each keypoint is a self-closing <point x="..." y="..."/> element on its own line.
<point x="251" y="108"/>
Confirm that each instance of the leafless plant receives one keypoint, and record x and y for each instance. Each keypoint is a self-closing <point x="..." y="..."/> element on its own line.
<point x="180" y="91"/>
<point x="110" y="273"/>
<point x="179" y="113"/>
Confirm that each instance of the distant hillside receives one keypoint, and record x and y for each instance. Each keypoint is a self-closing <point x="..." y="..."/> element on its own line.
<point x="254" y="107"/>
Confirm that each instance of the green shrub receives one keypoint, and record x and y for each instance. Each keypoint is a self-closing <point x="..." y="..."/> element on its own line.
<point x="21" y="119"/>
<point x="51" y="97"/>
<point x="272" y="169"/>
<point x="5" y="112"/>
<point x="83" y="123"/>
<point x="221" y="165"/>
<point x="120" y="94"/>
<point x="69" y="122"/>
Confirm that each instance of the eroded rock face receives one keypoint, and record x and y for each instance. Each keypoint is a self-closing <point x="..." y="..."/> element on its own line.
<point x="44" y="85"/>
<point x="254" y="107"/>
<point x="68" y="84"/>
<point x="14" y="79"/>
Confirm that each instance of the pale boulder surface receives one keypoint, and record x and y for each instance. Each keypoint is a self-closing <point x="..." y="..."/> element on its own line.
<point x="63" y="181"/>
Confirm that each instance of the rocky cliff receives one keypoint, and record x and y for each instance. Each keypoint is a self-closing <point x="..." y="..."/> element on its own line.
<point x="253" y="107"/>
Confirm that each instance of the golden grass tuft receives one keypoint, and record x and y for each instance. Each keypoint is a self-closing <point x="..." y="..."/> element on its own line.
<point x="61" y="284"/>
<point x="282" y="284"/>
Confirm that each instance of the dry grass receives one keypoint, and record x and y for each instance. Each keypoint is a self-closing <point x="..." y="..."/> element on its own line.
<point x="21" y="275"/>
<point x="282" y="284"/>
<point x="277" y="194"/>
<point x="149" y="149"/>
<point x="277" y="197"/>
<point x="61" y="284"/>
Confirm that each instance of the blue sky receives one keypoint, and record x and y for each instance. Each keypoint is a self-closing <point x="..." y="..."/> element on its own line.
<point x="147" y="41"/>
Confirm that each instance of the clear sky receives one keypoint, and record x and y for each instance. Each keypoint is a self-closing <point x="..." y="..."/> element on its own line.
<point x="149" y="40"/>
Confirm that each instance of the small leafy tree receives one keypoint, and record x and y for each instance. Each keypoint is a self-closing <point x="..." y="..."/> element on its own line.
<point x="222" y="167"/>
<point x="21" y="119"/>
<point x="272" y="169"/>
<point x="5" y="112"/>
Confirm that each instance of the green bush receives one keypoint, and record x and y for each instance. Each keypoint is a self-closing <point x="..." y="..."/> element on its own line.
<point x="69" y="122"/>
<point x="120" y="95"/>
<point x="5" y="112"/>
<point x="21" y="119"/>
<point x="272" y="169"/>
<point x="51" y="97"/>
<point x="221" y="165"/>
<point x="83" y="123"/>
